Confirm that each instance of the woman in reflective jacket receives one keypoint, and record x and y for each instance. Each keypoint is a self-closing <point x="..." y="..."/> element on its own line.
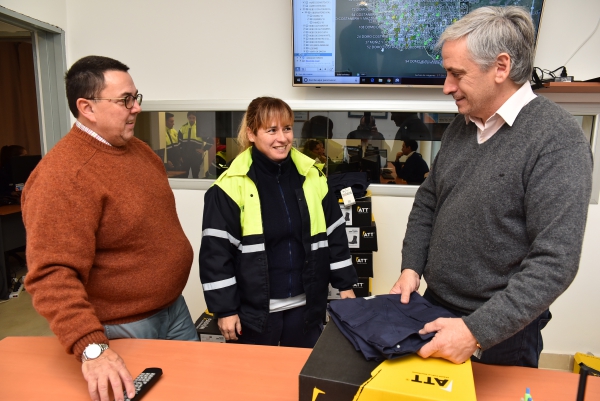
<point x="273" y="237"/>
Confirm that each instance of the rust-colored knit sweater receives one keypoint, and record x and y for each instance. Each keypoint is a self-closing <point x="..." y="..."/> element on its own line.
<point x="104" y="243"/>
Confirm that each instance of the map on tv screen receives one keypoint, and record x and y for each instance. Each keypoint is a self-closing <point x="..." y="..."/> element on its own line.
<point x="379" y="41"/>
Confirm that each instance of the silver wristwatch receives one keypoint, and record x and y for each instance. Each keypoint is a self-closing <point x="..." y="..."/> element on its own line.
<point x="478" y="352"/>
<point x="93" y="351"/>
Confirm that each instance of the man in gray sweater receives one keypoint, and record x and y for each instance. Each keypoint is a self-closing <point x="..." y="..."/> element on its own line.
<point x="496" y="229"/>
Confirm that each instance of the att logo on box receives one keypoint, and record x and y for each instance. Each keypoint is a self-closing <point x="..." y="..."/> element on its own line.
<point x="368" y="235"/>
<point x="361" y="261"/>
<point x="440" y="382"/>
<point x="362" y="209"/>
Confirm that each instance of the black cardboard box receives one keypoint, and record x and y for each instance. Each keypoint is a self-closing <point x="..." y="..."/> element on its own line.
<point x="359" y="214"/>
<point x="208" y="329"/>
<point x="363" y="263"/>
<point x="334" y="368"/>
<point x="361" y="289"/>
<point x="335" y="371"/>
<point x="362" y="239"/>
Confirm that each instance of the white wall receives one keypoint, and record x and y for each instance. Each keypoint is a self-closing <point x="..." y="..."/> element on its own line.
<point x="201" y="49"/>
<point x="564" y="27"/>
<point x="189" y="208"/>
<point x="198" y="50"/>
<point x="53" y="12"/>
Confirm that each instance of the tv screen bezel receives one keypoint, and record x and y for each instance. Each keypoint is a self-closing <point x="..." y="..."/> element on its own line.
<point x="382" y="85"/>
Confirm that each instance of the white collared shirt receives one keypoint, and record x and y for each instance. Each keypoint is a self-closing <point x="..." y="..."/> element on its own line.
<point x="91" y="132"/>
<point x="507" y="113"/>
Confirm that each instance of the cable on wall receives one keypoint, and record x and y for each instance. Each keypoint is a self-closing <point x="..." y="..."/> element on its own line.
<point x="584" y="42"/>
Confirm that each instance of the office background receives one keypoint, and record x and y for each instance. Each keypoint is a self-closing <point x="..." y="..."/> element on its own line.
<point x="198" y="54"/>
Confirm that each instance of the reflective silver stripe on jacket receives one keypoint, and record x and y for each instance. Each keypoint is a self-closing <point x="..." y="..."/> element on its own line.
<point x="252" y="248"/>
<point x="212" y="232"/>
<point x="340" y="265"/>
<point x="319" y="244"/>
<point x="219" y="284"/>
<point x="336" y="225"/>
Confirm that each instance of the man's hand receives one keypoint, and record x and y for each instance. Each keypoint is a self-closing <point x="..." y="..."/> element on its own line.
<point x="453" y="340"/>
<point x="107" y="369"/>
<point x="229" y="326"/>
<point x="408" y="283"/>
<point x="347" y="294"/>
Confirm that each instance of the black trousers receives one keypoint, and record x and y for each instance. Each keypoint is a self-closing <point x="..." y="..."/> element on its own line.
<point x="192" y="160"/>
<point x="285" y="328"/>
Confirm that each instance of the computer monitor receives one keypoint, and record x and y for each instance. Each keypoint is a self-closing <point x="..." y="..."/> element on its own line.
<point x="369" y="152"/>
<point x="368" y="160"/>
<point x="352" y="154"/>
<point x="22" y="166"/>
<point x="371" y="164"/>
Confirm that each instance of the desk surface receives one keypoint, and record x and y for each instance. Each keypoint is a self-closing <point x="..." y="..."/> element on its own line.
<point x="177" y="174"/>
<point x="191" y="371"/>
<point x="9" y="209"/>
<point x="36" y="368"/>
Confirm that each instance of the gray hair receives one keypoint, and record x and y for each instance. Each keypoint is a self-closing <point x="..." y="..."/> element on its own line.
<point x="494" y="30"/>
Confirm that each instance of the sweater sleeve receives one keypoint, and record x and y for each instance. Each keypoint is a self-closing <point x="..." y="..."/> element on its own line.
<point x="61" y="218"/>
<point x="343" y="274"/>
<point x="221" y="228"/>
<point x="560" y="182"/>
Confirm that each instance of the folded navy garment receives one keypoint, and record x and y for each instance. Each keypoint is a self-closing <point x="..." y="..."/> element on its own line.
<point x="381" y="327"/>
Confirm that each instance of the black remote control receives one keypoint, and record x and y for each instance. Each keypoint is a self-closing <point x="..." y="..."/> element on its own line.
<point x="143" y="382"/>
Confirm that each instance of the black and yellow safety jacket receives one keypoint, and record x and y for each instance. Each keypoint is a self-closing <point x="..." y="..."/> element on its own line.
<point x="171" y="138"/>
<point x="172" y="145"/>
<point x="189" y="137"/>
<point x="233" y="262"/>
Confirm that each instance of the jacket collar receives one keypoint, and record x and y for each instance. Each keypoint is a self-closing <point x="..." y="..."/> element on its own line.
<point x="267" y="166"/>
<point x="242" y="163"/>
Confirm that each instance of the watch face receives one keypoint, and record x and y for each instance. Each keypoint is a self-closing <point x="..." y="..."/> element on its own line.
<point x="93" y="351"/>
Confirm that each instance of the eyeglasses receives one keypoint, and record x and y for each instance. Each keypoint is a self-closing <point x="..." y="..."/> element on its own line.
<point x="127" y="100"/>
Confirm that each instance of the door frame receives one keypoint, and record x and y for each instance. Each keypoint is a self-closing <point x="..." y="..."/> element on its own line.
<point x="50" y="65"/>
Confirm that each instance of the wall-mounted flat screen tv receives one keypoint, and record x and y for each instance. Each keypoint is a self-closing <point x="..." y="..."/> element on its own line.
<point x="377" y="42"/>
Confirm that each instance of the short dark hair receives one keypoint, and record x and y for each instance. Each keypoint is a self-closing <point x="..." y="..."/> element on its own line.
<point x="169" y="115"/>
<point x="191" y="113"/>
<point x="85" y="78"/>
<point x="412" y="144"/>
<point x="320" y="127"/>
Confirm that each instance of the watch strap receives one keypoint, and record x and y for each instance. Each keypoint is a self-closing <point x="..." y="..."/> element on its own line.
<point x="478" y="352"/>
<point x="85" y="358"/>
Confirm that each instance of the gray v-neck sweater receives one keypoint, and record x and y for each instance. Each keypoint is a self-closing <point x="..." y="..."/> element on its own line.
<point x="496" y="229"/>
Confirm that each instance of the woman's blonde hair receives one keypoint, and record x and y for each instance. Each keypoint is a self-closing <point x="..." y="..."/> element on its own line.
<point x="261" y="112"/>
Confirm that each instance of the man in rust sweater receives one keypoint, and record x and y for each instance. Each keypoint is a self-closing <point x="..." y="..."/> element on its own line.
<point x="106" y="253"/>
